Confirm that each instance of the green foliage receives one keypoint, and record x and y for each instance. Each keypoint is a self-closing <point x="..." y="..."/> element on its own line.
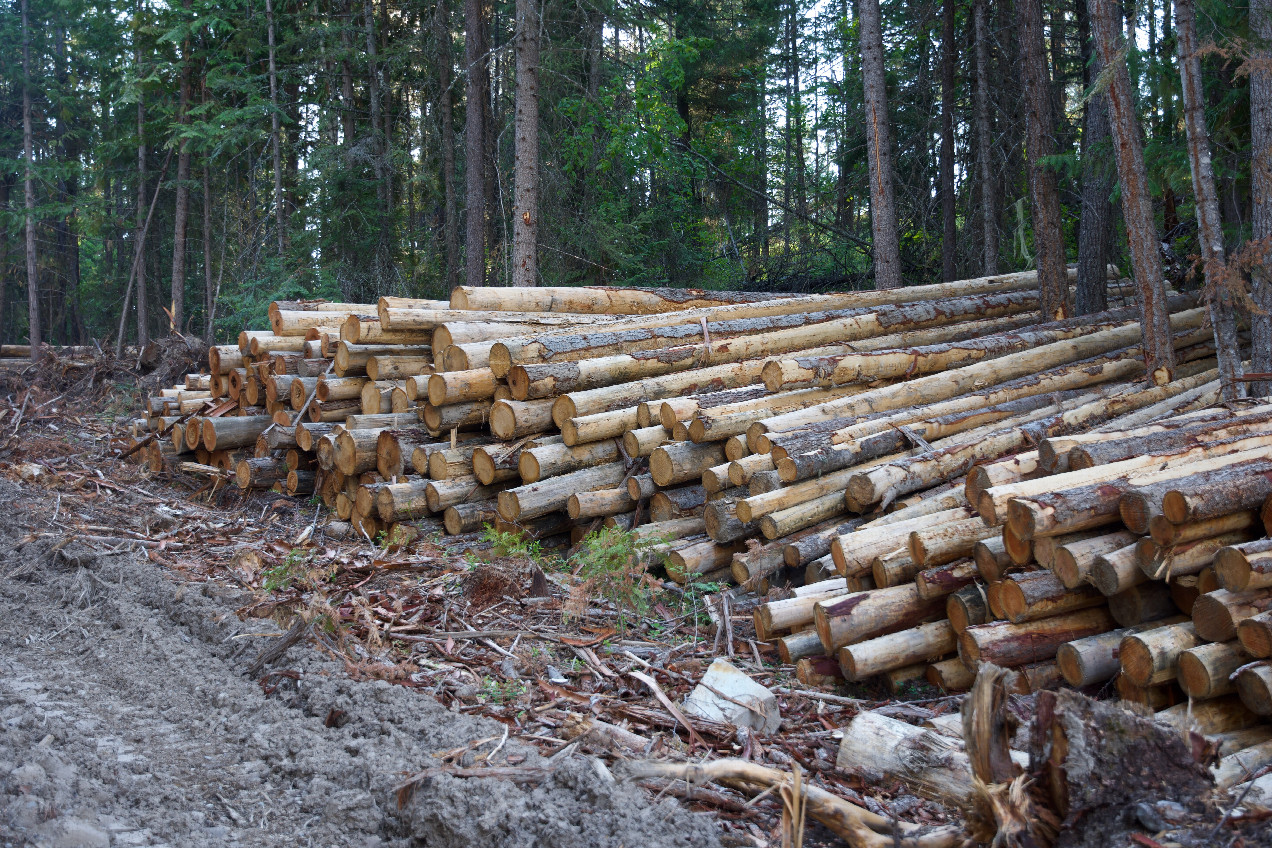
<point x="513" y="545"/>
<point x="613" y="563"/>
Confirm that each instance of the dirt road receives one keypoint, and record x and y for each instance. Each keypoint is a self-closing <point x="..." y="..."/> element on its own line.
<point x="125" y="719"/>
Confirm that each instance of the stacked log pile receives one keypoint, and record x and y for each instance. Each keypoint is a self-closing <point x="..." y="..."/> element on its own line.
<point x="916" y="482"/>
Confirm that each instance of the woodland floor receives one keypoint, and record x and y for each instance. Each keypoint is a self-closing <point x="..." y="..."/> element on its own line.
<point x="431" y="694"/>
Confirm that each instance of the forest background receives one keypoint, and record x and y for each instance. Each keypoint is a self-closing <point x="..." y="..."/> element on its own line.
<point x="182" y="163"/>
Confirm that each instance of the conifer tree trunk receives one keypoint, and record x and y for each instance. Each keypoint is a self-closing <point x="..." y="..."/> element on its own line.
<point x="795" y="124"/>
<point x="446" y="108"/>
<point x="949" y="231"/>
<point x="883" y="212"/>
<point x="181" y="211"/>
<point x="985" y="141"/>
<point x="209" y="293"/>
<point x="1137" y="210"/>
<point x="347" y="126"/>
<point x="525" y="204"/>
<point x="1261" y="156"/>
<point x="275" y="130"/>
<point x="475" y="144"/>
<point x="139" y="239"/>
<point x="1096" y="223"/>
<point x="1210" y="230"/>
<point x="28" y="149"/>
<point x="1040" y="143"/>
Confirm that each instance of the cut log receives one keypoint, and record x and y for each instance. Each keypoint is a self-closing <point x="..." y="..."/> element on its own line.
<point x="940" y="581"/>
<point x="1243" y="764"/>
<point x="855" y="552"/>
<point x="229" y="433"/>
<point x="1145" y="602"/>
<point x="602" y="425"/>
<point x="1217" y="614"/>
<point x="1012" y="645"/>
<point x="928" y="763"/>
<point x="599" y="503"/>
<point x="818" y="671"/>
<point x="1217" y="715"/>
<point x="1094" y="505"/>
<point x="992" y="559"/>
<point x="1096" y="659"/>
<point x="967" y="607"/>
<point x="1255" y="634"/>
<point x="1073" y="561"/>
<point x="467" y="415"/>
<point x="799" y="645"/>
<point x="449" y="463"/>
<point x="1151" y="656"/>
<point x="1160" y="563"/>
<point x="395" y="448"/>
<point x="1224" y="491"/>
<point x="356" y="451"/>
<point x="866" y="615"/>
<point x="681" y="502"/>
<point x="1001" y="472"/>
<point x="1034" y="595"/>
<point x="541" y="463"/>
<point x="643" y="440"/>
<point x="1254" y="686"/>
<point x="700" y="560"/>
<point x="545" y="380"/>
<point x="439" y="494"/>
<point x="894" y="569"/>
<point x="1203" y="671"/>
<point x="682" y="462"/>
<point x="458" y="386"/>
<point x="398" y="366"/>
<point x="1245" y="566"/>
<point x="950" y="676"/>
<point x="933" y="546"/>
<point x="513" y="419"/>
<point x="897" y="650"/>
<point x="1166" y="533"/>
<point x="1117" y="571"/>
<point x="260" y="473"/>
<point x="722" y="523"/>
<point x="949" y="384"/>
<point x="537" y="499"/>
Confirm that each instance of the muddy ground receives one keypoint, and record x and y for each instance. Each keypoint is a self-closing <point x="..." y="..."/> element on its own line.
<point x="126" y="719"/>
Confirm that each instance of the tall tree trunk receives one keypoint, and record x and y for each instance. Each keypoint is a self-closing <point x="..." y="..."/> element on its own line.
<point x="525" y="204"/>
<point x="139" y="240"/>
<point x="1137" y="210"/>
<point x="378" y="151"/>
<point x="1040" y="143"/>
<point x="796" y="122"/>
<point x="28" y="149"/>
<point x="275" y="131"/>
<point x="446" y="106"/>
<point x="347" y="126"/>
<point x="490" y="137"/>
<point x="1261" y="165"/>
<point x="181" y="211"/>
<point x="5" y="183"/>
<point x="209" y="294"/>
<point x="949" y="225"/>
<point x="985" y="140"/>
<point x="475" y="144"/>
<point x="1096" y="223"/>
<point x="1210" y="230"/>
<point x="761" y="163"/>
<point x="883" y="212"/>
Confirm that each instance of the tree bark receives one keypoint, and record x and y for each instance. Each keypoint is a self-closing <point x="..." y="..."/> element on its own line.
<point x="139" y="238"/>
<point x="1137" y="209"/>
<point x="1261" y="165"/>
<point x="474" y="142"/>
<point x="446" y="106"/>
<point x="883" y="213"/>
<point x="525" y="205"/>
<point x="1218" y="295"/>
<point x="985" y="141"/>
<point x="28" y="148"/>
<point x="276" y="139"/>
<point x="181" y="208"/>
<point x="1096" y="223"/>
<point x="949" y="224"/>
<point x="1040" y="143"/>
